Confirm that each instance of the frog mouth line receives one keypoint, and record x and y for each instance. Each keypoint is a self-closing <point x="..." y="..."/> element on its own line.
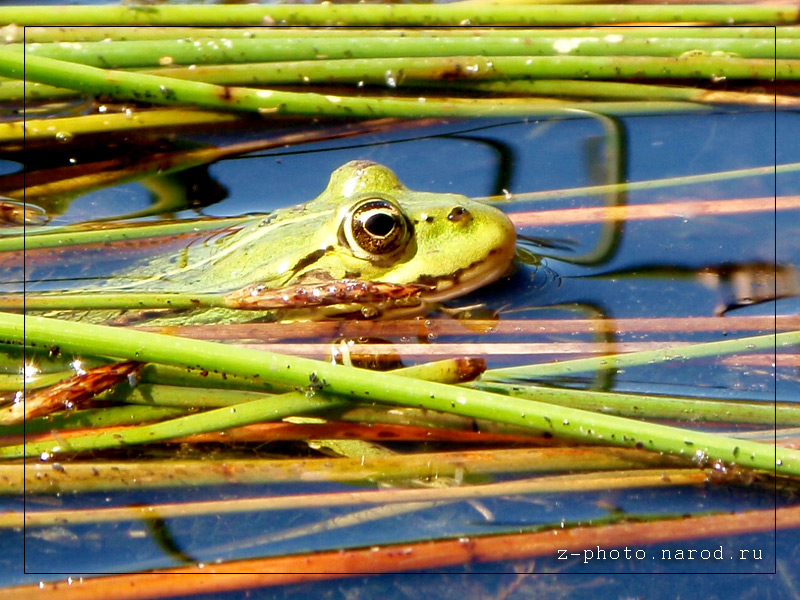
<point x="470" y="278"/>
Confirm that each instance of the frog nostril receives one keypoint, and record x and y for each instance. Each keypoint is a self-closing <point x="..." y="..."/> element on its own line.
<point x="459" y="215"/>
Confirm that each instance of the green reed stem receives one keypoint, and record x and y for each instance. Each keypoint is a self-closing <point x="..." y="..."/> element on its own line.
<point x="93" y="418"/>
<point x="167" y="91"/>
<point x="55" y="237"/>
<point x="651" y="184"/>
<point x="117" y="55"/>
<point x="109" y="300"/>
<point x="89" y="34"/>
<point x="64" y="129"/>
<point x="348" y="382"/>
<point x="499" y="75"/>
<point x="382" y="71"/>
<point x="395" y="15"/>
<point x="665" y="407"/>
<point x="268" y="408"/>
<point x="665" y="355"/>
<point x="595" y="89"/>
<point x="238" y="408"/>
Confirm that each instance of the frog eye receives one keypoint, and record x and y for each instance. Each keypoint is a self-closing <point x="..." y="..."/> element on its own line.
<point x="375" y="227"/>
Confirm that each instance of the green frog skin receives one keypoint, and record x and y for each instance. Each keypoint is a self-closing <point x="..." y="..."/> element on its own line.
<point x="366" y="231"/>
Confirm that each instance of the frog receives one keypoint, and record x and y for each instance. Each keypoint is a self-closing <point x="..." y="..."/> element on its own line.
<point x="367" y="246"/>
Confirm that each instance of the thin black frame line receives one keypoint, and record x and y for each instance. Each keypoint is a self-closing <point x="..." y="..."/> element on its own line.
<point x="483" y="573"/>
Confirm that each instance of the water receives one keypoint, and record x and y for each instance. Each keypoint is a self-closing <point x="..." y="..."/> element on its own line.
<point x="683" y="267"/>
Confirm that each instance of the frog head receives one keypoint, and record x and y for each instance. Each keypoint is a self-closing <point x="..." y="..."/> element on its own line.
<point x="382" y="231"/>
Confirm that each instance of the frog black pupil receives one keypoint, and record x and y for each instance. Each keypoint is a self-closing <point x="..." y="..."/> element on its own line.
<point x="380" y="224"/>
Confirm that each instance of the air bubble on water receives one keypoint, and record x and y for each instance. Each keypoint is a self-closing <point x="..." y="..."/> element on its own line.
<point x="390" y="78"/>
<point x="64" y="136"/>
<point x="507" y="195"/>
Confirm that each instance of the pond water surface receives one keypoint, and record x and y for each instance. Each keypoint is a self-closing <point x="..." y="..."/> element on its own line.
<point x="658" y="277"/>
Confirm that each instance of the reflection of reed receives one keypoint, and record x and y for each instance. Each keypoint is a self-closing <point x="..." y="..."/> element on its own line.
<point x="440" y="327"/>
<point x="746" y="284"/>
<point x="427" y="554"/>
<point x="661" y="210"/>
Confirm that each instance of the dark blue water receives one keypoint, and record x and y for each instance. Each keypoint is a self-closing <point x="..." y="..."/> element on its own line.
<point x="655" y="271"/>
